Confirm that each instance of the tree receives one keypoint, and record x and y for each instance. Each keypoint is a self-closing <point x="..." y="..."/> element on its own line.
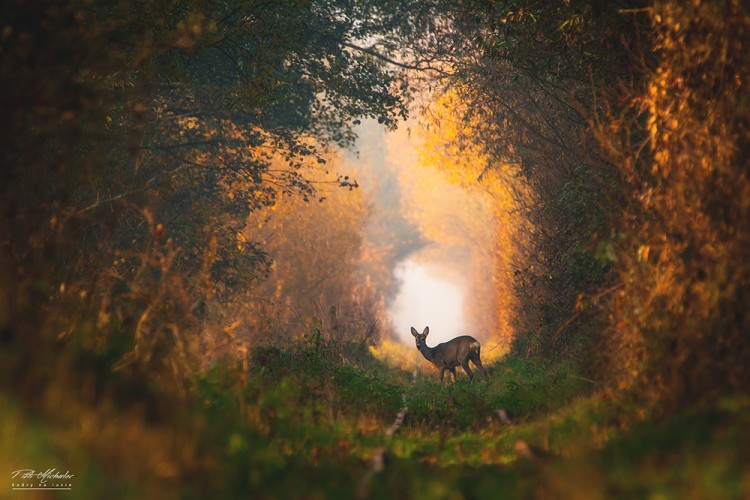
<point x="143" y="134"/>
<point x="525" y="79"/>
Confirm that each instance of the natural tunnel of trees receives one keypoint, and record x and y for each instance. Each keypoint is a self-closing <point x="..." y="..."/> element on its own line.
<point x="180" y="193"/>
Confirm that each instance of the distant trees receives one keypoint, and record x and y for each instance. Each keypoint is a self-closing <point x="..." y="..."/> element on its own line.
<point x="479" y="218"/>
<point x="522" y="83"/>
<point x="317" y="280"/>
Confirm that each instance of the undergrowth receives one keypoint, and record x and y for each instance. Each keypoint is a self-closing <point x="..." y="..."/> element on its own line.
<point x="304" y="422"/>
<point x="519" y="386"/>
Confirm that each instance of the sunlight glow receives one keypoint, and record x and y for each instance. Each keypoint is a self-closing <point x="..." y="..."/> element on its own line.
<point x="426" y="299"/>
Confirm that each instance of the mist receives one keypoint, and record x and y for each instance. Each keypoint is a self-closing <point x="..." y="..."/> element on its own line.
<point x="412" y="207"/>
<point x="425" y="298"/>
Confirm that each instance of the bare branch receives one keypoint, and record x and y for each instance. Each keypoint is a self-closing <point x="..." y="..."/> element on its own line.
<point x="378" y="55"/>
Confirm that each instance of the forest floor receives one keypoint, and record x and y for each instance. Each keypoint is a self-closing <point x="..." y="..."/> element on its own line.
<point x="318" y="423"/>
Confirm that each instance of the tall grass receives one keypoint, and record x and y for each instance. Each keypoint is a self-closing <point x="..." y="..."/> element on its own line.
<point x="519" y="386"/>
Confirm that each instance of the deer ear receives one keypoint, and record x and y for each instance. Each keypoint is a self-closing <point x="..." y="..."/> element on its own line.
<point x="414" y="332"/>
<point x="426" y="330"/>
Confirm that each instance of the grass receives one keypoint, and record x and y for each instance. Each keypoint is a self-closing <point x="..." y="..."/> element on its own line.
<point x="304" y="423"/>
<point x="521" y="387"/>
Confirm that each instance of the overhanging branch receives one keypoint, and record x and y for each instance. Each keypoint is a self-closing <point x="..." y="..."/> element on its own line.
<point x="374" y="53"/>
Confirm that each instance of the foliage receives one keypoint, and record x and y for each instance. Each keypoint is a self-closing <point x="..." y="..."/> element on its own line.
<point x="630" y="183"/>
<point x="699" y="455"/>
<point x="315" y="409"/>
<point x="392" y="353"/>
<point x="145" y="135"/>
<point x="464" y="223"/>
<point x="512" y="117"/>
<point x="317" y="278"/>
<point x="680" y="323"/>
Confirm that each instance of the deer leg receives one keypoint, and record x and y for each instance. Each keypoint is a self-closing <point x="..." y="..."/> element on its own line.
<point x="478" y="363"/>
<point x="453" y="372"/>
<point x="442" y="374"/>
<point x="465" y="366"/>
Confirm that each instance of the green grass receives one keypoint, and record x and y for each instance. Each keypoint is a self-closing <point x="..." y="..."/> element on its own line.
<point x="520" y="387"/>
<point x="304" y="423"/>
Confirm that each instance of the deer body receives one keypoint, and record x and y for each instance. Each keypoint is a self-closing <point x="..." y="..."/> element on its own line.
<point x="449" y="355"/>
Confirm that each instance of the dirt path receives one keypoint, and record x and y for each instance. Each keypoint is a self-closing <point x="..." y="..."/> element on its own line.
<point x="377" y="462"/>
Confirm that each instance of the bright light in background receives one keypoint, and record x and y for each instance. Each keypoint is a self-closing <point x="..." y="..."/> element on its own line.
<point x="433" y="229"/>
<point x="426" y="300"/>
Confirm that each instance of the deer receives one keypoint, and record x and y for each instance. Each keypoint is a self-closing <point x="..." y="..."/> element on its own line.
<point x="448" y="355"/>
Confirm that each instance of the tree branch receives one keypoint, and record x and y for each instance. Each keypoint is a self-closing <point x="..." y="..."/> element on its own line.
<point x="378" y="55"/>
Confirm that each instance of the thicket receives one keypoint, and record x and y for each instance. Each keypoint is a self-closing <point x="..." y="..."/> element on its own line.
<point x="679" y="326"/>
<point x="619" y="129"/>
<point x="524" y="84"/>
<point x="298" y="421"/>
<point x="139" y="139"/>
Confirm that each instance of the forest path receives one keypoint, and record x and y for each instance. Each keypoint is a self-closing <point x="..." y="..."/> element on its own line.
<point x="377" y="462"/>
